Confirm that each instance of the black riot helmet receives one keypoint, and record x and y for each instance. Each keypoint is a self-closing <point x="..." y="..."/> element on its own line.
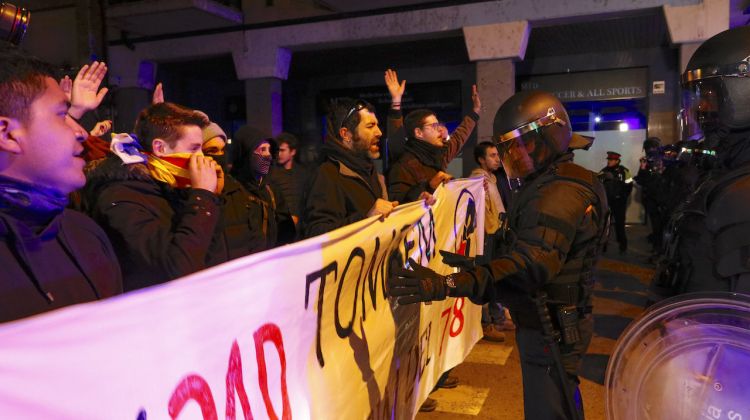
<point x="716" y="85"/>
<point x="531" y="130"/>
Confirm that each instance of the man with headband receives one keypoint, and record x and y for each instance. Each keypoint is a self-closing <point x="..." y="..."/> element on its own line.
<point x="347" y="187"/>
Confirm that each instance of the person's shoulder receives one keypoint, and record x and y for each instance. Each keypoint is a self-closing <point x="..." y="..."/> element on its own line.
<point x="81" y="224"/>
<point x="477" y="172"/>
<point x="731" y="203"/>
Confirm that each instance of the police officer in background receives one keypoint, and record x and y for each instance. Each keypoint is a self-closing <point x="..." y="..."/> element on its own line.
<point x="716" y="98"/>
<point x="650" y="180"/>
<point x="552" y="234"/>
<point x="618" y="184"/>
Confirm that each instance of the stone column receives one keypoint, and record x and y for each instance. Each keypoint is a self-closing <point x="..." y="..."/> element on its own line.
<point x="688" y="27"/>
<point x="263" y="99"/>
<point x="494" y="48"/>
<point x="263" y="67"/>
<point x="496" y="82"/>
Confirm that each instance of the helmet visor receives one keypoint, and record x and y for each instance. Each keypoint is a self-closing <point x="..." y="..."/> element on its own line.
<point x="700" y="108"/>
<point x="515" y="158"/>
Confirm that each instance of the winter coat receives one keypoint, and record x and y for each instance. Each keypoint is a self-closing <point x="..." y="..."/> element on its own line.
<point x="410" y="175"/>
<point x="159" y="233"/>
<point x="270" y="221"/>
<point x="66" y="262"/>
<point x="337" y="197"/>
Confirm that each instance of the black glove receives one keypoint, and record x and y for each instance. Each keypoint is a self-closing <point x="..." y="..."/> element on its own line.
<point x="457" y="260"/>
<point x="420" y="284"/>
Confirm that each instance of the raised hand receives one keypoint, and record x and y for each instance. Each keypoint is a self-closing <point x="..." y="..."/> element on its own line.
<point x="66" y="84"/>
<point x="477" y="104"/>
<point x="101" y="128"/>
<point x="85" y="94"/>
<point x="158" y="96"/>
<point x="395" y="88"/>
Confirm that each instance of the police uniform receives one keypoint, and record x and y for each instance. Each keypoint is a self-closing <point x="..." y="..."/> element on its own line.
<point x="617" y="183"/>
<point x="716" y="222"/>
<point x="551" y="239"/>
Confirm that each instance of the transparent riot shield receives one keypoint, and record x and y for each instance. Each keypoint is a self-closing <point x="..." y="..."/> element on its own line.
<point x="686" y="358"/>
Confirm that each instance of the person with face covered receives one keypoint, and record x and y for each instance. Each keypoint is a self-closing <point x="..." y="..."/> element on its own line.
<point x="253" y="156"/>
<point x="346" y="187"/>
<point x="243" y="231"/>
<point x="552" y="235"/>
<point x="157" y="197"/>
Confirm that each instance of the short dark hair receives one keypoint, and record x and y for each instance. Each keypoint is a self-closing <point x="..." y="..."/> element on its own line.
<point x="288" y="139"/>
<point x="480" y="150"/>
<point x="165" y="121"/>
<point x="22" y="80"/>
<point x="343" y="113"/>
<point x="414" y="120"/>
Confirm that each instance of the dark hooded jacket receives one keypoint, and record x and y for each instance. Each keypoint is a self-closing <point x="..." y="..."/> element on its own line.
<point x="159" y="233"/>
<point x="342" y="191"/>
<point x="268" y="211"/>
<point x="51" y="260"/>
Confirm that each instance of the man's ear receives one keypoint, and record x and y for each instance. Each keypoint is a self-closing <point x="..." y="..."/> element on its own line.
<point x="11" y="132"/>
<point x="159" y="147"/>
<point x="292" y="152"/>
<point x="346" y="135"/>
<point x="418" y="133"/>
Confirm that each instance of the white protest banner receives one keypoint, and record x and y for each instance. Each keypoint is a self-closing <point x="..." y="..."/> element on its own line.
<point x="303" y="331"/>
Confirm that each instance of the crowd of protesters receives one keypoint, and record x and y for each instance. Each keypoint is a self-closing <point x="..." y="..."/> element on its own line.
<point x="84" y="218"/>
<point x="88" y="214"/>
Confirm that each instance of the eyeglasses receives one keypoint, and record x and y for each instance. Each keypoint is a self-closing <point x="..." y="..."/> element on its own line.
<point x="435" y="126"/>
<point x="358" y="106"/>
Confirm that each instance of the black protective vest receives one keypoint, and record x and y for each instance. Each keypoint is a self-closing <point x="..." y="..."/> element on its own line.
<point x="692" y="251"/>
<point x="573" y="285"/>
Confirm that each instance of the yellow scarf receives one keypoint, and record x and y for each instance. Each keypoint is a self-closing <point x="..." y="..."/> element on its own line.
<point x="171" y="169"/>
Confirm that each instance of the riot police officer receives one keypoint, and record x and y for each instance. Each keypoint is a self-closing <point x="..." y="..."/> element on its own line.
<point x="552" y="236"/>
<point x="618" y="184"/>
<point x="715" y="244"/>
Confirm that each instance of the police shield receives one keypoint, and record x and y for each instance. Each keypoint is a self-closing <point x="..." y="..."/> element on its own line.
<point x="685" y="358"/>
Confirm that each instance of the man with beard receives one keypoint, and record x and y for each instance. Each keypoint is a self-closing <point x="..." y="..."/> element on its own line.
<point x="346" y="187"/>
<point x="494" y="320"/>
<point x="252" y="161"/>
<point x="553" y="233"/>
<point x="51" y="257"/>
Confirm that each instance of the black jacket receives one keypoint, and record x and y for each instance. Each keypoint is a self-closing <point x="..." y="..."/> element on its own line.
<point x="614" y="180"/>
<point x="555" y="225"/>
<point x="270" y="221"/>
<point x="65" y="262"/>
<point x="338" y="196"/>
<point x="159" y="233"/>
<point x="291" y="184"/>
